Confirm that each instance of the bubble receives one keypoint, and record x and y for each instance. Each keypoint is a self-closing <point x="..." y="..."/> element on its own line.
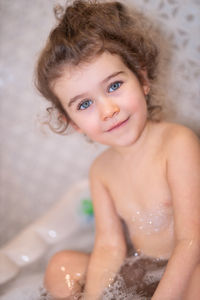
<point x="145" y="272"/>
<point x="69" y="281"/>
<point x="153" y="221"/>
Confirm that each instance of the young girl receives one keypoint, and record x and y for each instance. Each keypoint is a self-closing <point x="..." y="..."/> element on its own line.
<point x="98" y="69"/>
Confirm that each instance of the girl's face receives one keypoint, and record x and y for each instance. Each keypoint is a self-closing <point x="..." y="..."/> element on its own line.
<point x="104" y="100"/>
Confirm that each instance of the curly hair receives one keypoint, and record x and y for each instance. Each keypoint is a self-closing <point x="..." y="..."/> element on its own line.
<point x="86" y="29"/>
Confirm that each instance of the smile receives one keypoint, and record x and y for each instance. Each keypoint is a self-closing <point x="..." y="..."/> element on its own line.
<point x="118" y="125"/>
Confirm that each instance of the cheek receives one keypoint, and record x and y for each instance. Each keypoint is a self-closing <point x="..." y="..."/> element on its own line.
<point x="86" y="123"/>
<point x="131" y="103"/>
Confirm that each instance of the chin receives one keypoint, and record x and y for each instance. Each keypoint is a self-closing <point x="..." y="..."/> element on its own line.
<point x="129" y="140"/>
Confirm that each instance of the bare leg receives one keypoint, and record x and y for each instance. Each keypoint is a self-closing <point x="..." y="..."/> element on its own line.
<point x="65" y="273"/>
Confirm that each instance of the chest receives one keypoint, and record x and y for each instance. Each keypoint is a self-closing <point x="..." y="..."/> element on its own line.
<point x="141" y="193"/>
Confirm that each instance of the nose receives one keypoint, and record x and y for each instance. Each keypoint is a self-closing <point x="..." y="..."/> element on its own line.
<point x="108" y="109"/>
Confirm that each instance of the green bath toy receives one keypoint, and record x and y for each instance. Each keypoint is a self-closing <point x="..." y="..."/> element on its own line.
<point x="87" y="207"/>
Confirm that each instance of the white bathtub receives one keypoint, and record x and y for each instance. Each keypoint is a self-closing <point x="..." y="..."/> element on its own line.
<point x="67" y="225"/>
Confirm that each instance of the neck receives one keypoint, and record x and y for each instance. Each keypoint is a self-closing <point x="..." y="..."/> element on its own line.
<point x="138" y="145"/>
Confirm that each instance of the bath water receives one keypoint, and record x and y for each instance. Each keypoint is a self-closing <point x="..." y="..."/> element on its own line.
<point x="137" y="280"/>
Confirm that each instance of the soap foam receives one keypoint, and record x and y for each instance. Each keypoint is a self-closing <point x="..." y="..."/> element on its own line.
<point x="137" y="280"/>
<point x="153" y="221"/>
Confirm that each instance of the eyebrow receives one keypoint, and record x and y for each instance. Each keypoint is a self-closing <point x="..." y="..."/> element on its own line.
<point x="72" y="100"/>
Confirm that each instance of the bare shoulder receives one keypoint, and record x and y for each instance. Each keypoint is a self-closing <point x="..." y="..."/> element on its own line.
<point x="178" y="138"/>
<point x="101" y="164"/>
<point x="176" y="133"/>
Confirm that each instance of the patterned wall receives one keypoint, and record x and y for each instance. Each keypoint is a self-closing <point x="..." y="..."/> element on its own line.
<point x="36" y="166"/>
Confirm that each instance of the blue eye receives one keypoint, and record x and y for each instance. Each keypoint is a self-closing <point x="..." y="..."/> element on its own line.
<point x="84" y="105"/>
<point x="114" y="86"/>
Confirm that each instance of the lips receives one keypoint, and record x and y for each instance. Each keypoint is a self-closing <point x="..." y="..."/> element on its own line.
<point x="118" y="125"/>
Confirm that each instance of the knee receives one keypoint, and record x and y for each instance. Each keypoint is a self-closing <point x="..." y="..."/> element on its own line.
<point x="65" y="273"/>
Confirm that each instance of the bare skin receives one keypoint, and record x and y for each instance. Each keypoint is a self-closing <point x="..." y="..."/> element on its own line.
<point x="159" y="237"/>
<point x="149" y="177"/>
<point x="65" y="273"/>
<point x="144" y="207"/>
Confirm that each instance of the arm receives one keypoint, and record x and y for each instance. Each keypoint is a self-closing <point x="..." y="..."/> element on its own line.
<point x="110" y="248"/>
<point x="183" y="174"/>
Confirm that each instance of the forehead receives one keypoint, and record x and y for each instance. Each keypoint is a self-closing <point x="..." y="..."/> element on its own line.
<point x="88" y="73"/>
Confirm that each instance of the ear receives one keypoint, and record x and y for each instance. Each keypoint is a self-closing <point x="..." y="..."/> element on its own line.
<point x="75" y="126"/>
<point x="145" y="85"/>
<point x="146" y="89"/>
